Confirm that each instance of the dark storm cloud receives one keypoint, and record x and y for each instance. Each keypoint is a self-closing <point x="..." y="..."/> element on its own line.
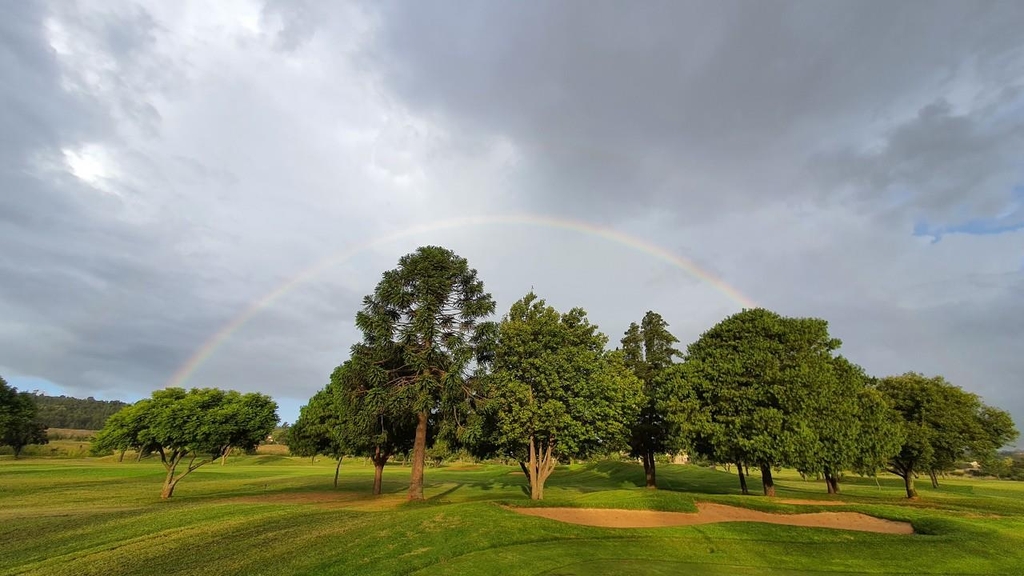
<point x="945" y="166"/>
<point x="701" y="105"/>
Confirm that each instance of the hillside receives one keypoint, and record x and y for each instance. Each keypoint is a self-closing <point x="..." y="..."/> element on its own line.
<point x="67" y="412"/>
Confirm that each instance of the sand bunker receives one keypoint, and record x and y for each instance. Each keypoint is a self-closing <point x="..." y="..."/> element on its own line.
<point x="712" y="513"/>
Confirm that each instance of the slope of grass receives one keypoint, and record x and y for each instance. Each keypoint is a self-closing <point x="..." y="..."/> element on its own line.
<point x="273" y="514"/>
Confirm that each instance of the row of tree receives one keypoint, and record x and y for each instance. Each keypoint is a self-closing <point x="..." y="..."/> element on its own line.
<point x="538" y="387"/>
<point x="78" y="413"/>
<point x="19" y="421"/>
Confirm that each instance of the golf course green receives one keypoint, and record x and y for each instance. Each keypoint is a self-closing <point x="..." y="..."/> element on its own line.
<point x="275" y="514"/>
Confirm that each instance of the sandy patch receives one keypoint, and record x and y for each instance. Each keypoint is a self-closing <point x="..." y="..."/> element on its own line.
<point x="810" y="502"/>
<point x="712" y="513"/>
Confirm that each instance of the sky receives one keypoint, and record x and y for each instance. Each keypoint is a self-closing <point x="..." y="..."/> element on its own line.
<point x="200" y="194"/>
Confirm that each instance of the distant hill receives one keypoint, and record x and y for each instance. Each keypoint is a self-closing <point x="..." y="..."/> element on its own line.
<point x="67" y="412"/>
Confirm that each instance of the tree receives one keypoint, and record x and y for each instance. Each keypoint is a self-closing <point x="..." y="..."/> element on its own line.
<point x="853" y="426"/>
<point x="942" y="423"/>
<point x="755" y="375"/>
<point x="424" y="313"/>
<point x="648" y="350"/>
<point x="320" y="429"/>
<point x="881" y="433"/>
<point x="122" y="432"/>
<point x="202" y="423"/>
<point x="351" y="416"/>
<point x="19" y="425"/>
<point x="80" y="413"/>
<point x="554" y="392"/>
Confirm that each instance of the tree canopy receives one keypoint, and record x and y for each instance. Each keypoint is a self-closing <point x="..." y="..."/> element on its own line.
<point x="81" y="413"/>
<point x="351" y="416"/>
<point x="554" y="392"/>
<point x="942" y="423"/>
<point x="19" y="425"/>
<point x="418" y="336"/>
<point x="649" y="351"/>
<point x="201" y="425"/>
<point x="756" y="376"/>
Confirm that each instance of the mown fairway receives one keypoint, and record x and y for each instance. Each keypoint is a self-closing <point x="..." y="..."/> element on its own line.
<point x="277" y="515"/>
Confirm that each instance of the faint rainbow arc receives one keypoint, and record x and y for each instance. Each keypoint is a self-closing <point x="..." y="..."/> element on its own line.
<point x="217" y="339"/>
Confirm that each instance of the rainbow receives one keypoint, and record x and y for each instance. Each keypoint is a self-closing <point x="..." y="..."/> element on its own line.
<point x="217" y="339"/>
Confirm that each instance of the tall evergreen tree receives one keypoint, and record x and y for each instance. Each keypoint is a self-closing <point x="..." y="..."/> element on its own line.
<point x="425" y="313"/>
<point x="648" y="350"/>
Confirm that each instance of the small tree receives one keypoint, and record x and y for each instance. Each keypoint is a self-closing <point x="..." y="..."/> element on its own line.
<point x="19" y="426"/>
<point x="425" y="313"/>
<point x="320" y="429"/>
<point x="554" y="392"/>
<point x="648" y="350"/>
<point x="352" y="416"/>
<point x="200" y="425"/>
<point x="942" y="424"/>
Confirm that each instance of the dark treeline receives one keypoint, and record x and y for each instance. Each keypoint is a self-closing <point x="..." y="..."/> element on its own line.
<point x="758" y="391"/>
<point x="19" y="422"/>
<point x="78" y="413"/>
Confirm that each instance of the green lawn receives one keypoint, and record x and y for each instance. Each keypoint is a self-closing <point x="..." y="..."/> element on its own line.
<point x="276" y="515"/>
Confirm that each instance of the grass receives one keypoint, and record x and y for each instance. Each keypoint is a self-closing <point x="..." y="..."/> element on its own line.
<point x="273" y="514"/>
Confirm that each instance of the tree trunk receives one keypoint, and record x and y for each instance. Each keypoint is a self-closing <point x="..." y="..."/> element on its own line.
<point x="224" y="455"/>
<point x="120" y="457"/>
<point x="649" y="471"/>
<point x="337" y="469"/>
<point x="831" y="482"/>
<point x="419" y="454"/>
<point x="526" y="471"/>
<point x="169" y="483"/>
<point x="743" y="478"/>
<point x="378" y="476"/>
<point x="138" y="457"/>
<point x="542" y="463"/>
<point x="168" y="490"/>
<point x="17" y="451"/>
<point x="908" y="481"/>
<point x="766" y="480"/>
<point x="934" y="477"/>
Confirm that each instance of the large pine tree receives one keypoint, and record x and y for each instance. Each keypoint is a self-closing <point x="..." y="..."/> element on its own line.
<point x="425" y="312"/>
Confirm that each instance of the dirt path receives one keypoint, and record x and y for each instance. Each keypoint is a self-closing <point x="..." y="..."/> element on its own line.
<point x="708" y="513"/>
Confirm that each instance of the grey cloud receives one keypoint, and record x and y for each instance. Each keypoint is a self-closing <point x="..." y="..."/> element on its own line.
<point x="942" y="165"/>
<point x="785" y="148"/>
<point x="89" y="301"/>
<point x="705" y="106"/>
